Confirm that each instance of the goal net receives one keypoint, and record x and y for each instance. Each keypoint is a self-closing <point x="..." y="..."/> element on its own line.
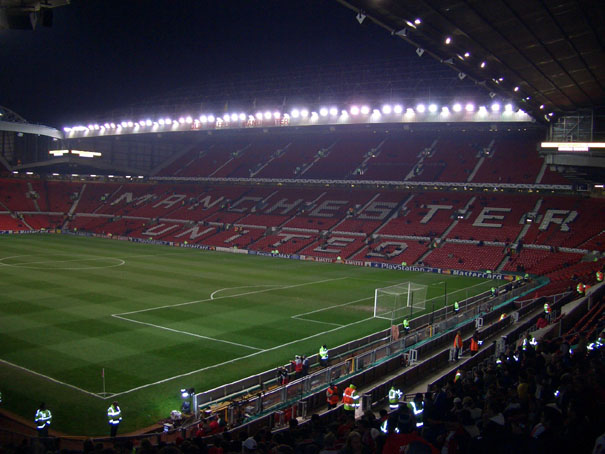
<point x="399" y="301"/>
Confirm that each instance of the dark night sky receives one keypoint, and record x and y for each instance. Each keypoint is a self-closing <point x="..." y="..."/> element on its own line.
<point x="108" y="54"/>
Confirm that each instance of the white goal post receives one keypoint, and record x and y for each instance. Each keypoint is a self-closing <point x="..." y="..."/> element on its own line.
<point x="399" y="301"/>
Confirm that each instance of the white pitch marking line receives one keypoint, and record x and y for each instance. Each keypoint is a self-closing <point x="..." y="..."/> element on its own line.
<point x="54" y="380"/>
<point x="244" y="286"/>
<point x="236" y="359"/>
<point x="228" y="296"/>
<point x="81" y="259"/>
<point x="186" y="332"/>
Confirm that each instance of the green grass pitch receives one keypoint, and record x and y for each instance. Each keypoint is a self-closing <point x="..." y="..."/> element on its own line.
<point x="158" y="319"/>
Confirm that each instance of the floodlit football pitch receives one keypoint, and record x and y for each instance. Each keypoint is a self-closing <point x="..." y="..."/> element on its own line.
<point x="85" y="321"/>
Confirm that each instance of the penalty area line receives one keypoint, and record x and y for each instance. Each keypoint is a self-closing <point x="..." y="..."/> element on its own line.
<point x="214" y="366"/>
<point x="186" y="333"/>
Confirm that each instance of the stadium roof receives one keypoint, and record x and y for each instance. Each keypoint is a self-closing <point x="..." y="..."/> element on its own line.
<point x="548" y="56"/>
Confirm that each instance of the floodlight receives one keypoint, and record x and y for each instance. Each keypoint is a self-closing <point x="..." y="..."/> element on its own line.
<point x="276" y="115"/>
<point x="161" y="121"/>
<point x="409" y="112"/>
<point x="295" y="113"/>
<point x="433" y="108"/>
<point x="226" y="117"/>
<point x="168" y="121"/>
<point x="267" y="115"/>
<point x="445" y="111"/>
<point x="482" y="110"/>
<point x="141" y="123"/>
<point x="516" y="89"/>
<point x="29" y="173"/>
<point x="550" y="114"/>
<point x="323" y="111"/>
<point x="483" y="65"/>
<point x="386" y="109"/>
<point x="66" y="129"/>
<point x="211" y="119"/>
<point x="90" y="126"/>
<point x="234" y="117"/>
<point x="96" y="127"/>
<point x="333" y="111"/>
<point x="457" y="107"/>
<point x="304" y="113"/>
<point x="375" y="113"/>
<point x="398" y="109"/>
<point x="259" y="115"/>
<point x="344" y="113"/>
<point x="354" y="110"/>
<point x="541" y="106"/>
<point x="420" y="108"/>
<point x="188" y="120"/>
<point x="469" y="107"/>
<point x="417" y="21"/>
<point x="467" y="54"/>
<point x="448" y="40"/>
<point x="365" y="110"/>
<point x="242" y="116"/>
<point x="495" y="107"/>
<point x="508" y="108"/>
<point x="148" y="122"/>
<point x="130" y="124"/>
<point x="113" y="125"/>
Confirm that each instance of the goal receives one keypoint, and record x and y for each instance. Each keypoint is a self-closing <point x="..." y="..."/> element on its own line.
<point x="399" y="301"/>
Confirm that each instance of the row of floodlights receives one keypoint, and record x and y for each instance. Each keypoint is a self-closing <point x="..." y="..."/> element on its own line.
<point x="55" y="174"/>
<point x="333" y="112"/>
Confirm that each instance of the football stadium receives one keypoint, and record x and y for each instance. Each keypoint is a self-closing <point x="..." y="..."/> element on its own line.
<point x="404" y="255"/>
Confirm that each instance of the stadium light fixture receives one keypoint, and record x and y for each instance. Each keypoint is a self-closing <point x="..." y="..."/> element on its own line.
<point x="344" y="114"/>
<point x="467" y="54"/>
<point x="295" y="113"/>
<point x="354" y="110"/>
<point x="55" y="174"/>
<point x="541" y="106"/>
<point x="364" y="110"/>
<point x="410" y="24"/>
<point x="304" y="113"/>
<point x="168" y="121"/>
<point x="420" y="108"/>
<point x="333" y="111"/>
<point x="398" y="109"/>
<point x="445" y="111"/>
<point x="448" y="40"/>
<point x="161" y="121"/>
<point x="323" y="111"/>
<point x="148" y="122"/>
<point x="457" y="107"/>
<point x="508" y="108"/>
<point x="469" y="107"/>
<point x="233" y="117"/>
<point x="387" y="109"/>
<point x="188" y="120"/>
<point x="276" y="115"/>
<point x="211" y="119"/>
<point x="417" y="21"/>
<point x="516" y="89"/>
<point x="130" y="124"/>
<point x="483" y="65"/>
<point x="482" y="110"/>
<point x="432" y="108"/>
<point x="67" y="129"/>
<point x="409" y="112"/>
<point x="495" y="107"/>
<point x="267" y="115"/>
<point x="242" y="116"/>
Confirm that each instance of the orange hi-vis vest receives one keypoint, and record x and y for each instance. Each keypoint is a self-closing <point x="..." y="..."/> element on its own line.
<point x="458" y="341"/>
<point x="474" y="345"/>
<point x="349" y="398"/>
